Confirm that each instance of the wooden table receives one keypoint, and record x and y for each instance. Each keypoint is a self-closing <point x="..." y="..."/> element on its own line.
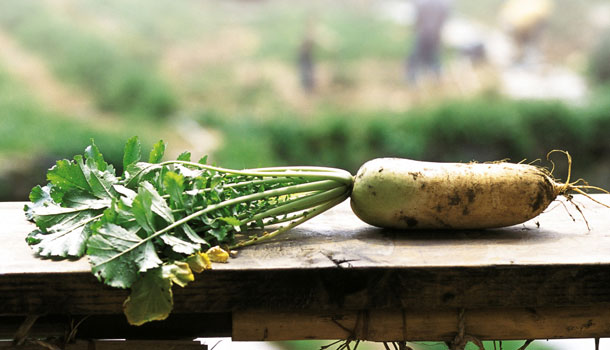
<point x="336" y="277"/>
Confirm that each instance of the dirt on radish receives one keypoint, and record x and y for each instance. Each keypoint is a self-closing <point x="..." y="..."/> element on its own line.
<point x="409" y="194"/>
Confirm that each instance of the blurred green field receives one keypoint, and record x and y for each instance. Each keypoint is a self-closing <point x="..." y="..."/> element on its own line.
<point x="231" y="67"/>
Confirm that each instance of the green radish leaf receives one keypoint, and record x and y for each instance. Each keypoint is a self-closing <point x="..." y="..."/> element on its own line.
<point x="220" y="233"/>
<point x="67" y="175"/>
<point x="142" y="230"/>
<point x="192" y="235"/>
<point x="231" y="220"/>
<point x="184" y="156"/>
<point x="93" y="153"/>
<point x="147" y="202"/>
<point x="117" y="255"/>
<point x="156" y="154"/>
<point x="66" y="238"/>
<point x="39" y="197"/>
<point x="139" y="172"/>
<point x="100" y="182"/>
<point x="158" y="204"/>
<point x="51" y="214"/>
<point x="62" y="229"/>
<point x="91" y="175"/>
<point x="128" y="194"/>
<point x="180" y="245"/>
<point x="203" y="160"/>
<point x="141" y="209"/>
<point x="150" y="299"/>
<point x="132" y="153"/>
<point x="173" y="184"/>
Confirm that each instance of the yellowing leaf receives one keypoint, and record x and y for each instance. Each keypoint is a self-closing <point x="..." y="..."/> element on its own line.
<point x="150" y="299"/>
<point x="179" y="272"/>
<point x="217" y="254"/>
<point x="199" y="262"/>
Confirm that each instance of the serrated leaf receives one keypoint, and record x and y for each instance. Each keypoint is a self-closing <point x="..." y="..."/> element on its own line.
<point x="188" y="172"/>
<point x="141" y="209"/>
<point x="156" y="154"/>
<point x="192" y="235"/>
<point x="173" y="184"/>
<point x="100" y="182"/>
<point x="233" y="221"/>
<point x="132" y="152"/>
<point x="147" y="202"/>
<point x="52" y="214"/>
<point x="66" y="239"/>
<point x="220" y="233"/>
<point x="93" y="153"/>
<point x="40" y="194"/>
<point x="184" y="156"/>
<point x="117" y="255"/>
<point x="62" y="231"/>
<point x="127" y="193"/>
<point x="91" y="175"/>
<point x="180" y="245"/>
<point x="82" y="201"/>
<point x="150" y="299"/>
<point x="63" y="209"/>
<point x="139" y="172"/>
<point x="203" y="160"/>
<point x="158" y="204"/>
<point x="67" y="175"/>
<point x="39" y="197"/>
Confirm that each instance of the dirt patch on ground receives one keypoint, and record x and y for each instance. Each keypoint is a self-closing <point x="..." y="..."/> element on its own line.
<point x="229" y="45"/>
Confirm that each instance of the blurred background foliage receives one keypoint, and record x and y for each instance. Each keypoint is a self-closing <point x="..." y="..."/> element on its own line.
<point x="266" y="83"/>
<point x="226" y="78"/>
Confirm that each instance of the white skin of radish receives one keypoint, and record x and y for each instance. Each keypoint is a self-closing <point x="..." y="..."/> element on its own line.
<point x="401" y="193"/>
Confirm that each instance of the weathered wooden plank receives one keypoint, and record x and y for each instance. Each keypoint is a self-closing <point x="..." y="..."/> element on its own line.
<point x="336" y="264"/>
<point x="326" y="289"/>
<point x="338" y="236"/>
<point x="107" y="345"/>
<point x="177" y="326"/>
<point x="423" y="325"/>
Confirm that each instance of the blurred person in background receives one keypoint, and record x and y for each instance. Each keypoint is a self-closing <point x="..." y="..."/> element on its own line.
<point x="525" y="21"/>
<point x="424" y="58"/>
<point x="306" y="62"/>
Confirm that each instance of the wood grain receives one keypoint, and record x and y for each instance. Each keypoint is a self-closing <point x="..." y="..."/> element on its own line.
<point x="336" y="264"/>
<point x="422" y="325"/>
<point x="107" y="345"/>
<point x="178" y="326"/>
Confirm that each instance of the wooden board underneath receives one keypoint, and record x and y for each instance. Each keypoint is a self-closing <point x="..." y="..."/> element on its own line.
<point x="424" y="325"/>
<point x="337" y="264"/>
<point x="105" y="345"/>
<point x="338" y="237"/>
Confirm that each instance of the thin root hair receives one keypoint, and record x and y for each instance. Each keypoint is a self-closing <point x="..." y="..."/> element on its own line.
<point x="579" y="210"/>
<point x="577" y="186"/>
